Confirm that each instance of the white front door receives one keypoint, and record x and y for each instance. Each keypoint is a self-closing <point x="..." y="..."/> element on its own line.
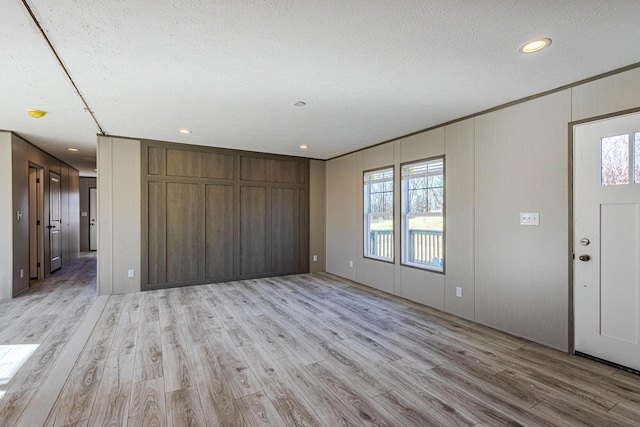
<point x="607" y="239"/>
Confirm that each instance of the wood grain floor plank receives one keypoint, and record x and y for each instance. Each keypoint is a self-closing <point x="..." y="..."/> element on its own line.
<point x="457" y="397"/>
<point x="111" y="405"/>
<point x="571" y="413"/>
<point x="234" y="367"/>
<point x="219" y="404"/>
<point x="303" y="352"/>
<point x="357" y="402"/>
<point x="184" y="408"/>
<point x="429" y="412"/>
<point x="148" y="361"/>
<point x="328" y="407"/>
<point x="293" y="410"/>
<point x="258" y="411"/>
<point x="149" y="308"/>
<point x="77" y="397"/>
<point x="147" y="404"/>
<point x="12" y="406"/>
<point x="176" y="365"/>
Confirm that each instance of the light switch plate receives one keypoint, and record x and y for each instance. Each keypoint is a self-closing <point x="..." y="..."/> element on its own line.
<point x="529" y="218"/>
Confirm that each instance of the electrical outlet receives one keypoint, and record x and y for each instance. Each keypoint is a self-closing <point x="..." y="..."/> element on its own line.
<point x="459" y="292"/>
<point x="351" y="263"/>
<point x="315" y="257"/>
<point x="529" y="218"/>
<point x="130" y="273"/>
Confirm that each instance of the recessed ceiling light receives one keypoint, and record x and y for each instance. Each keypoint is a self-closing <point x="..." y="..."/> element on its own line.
<point x="184" y="131"/>
<point x="299" y="103"/>
<point x="72" y="149"/>
<point x="534" y="45"/>
<point x="304" y="147"/>
<point x="36" y="114"/>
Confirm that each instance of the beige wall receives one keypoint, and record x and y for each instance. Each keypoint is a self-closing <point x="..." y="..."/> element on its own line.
<point x="6" y="217"/>
<point x="119" y="210"/>
<point x="317" y="215"/>
<point x="20" y="185"/>
<point x="498" y="164"/>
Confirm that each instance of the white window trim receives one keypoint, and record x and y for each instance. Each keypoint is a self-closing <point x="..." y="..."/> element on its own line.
<point x="368" y="214"/>
<point x="405" y="216"/>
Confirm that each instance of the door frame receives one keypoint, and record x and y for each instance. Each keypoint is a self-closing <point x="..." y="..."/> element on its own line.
<point x="96" y="215"/>
<point x="40" y="214"/>
<point x="571" y="255"/>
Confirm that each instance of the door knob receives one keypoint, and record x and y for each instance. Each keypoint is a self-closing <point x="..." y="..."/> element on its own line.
<point x="584" y="257"/>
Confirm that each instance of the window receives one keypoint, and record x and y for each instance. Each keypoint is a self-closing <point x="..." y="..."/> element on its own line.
<point x="423" y="214"/>
<point x="620" y="159"/>
<point x="378" y="214"/>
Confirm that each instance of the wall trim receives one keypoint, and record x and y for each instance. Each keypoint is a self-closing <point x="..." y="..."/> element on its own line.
<point x="502" y="106"/>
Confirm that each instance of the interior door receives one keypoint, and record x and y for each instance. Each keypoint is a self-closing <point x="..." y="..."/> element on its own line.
<point x="93" y="219"/>
<point x="55" y="222"/>
<point x="606" y="239"/>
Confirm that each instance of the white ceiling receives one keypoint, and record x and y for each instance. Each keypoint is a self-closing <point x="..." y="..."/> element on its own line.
<point x="230" y="70"/>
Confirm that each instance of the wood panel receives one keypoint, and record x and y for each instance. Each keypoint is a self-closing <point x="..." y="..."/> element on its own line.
<point x="198" y="164"/>
<point x="182" y="232"/>
<point x="270" y="170"/>
<point x="219" y="220"/>
<point x="155" y="161"/>
<point x="209" y="218"/>
<point x="254" y="169"/>
<point x="157" y="226"/>
<point x="285" y="232"/>
<point x="253" y="230"/>
<point x="284" y="171"/>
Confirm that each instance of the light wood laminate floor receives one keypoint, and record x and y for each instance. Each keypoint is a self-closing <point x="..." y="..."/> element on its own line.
<point x="35" y="329"/>
<point x="315" y="350"/>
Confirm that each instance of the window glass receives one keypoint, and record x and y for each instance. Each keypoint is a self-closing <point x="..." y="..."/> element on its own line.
<point x="423" y="214"/>
<point x="378" y="214"/>
<point x="614" y="160"/>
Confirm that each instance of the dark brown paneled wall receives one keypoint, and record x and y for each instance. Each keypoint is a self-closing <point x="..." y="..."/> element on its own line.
<point x="212" y="215"/>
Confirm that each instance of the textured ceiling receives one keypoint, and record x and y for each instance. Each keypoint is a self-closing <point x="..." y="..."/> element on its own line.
<point x="230" y="71"/>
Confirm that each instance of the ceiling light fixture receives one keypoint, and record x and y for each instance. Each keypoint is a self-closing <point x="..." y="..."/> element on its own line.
<point x="185" y="131"/>
<point x="299" y="104"/>
<point x="304" y="147"/>
<point x="72" y="149"/>
<point x="36" y="114"/>
<point x="535" y="45"/>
